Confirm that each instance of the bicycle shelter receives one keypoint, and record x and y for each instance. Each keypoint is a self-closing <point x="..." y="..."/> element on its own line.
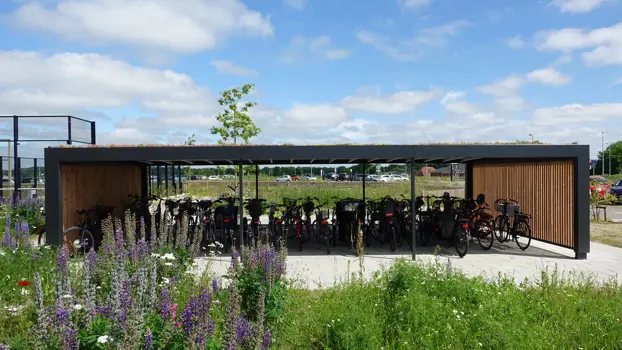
<point x="550" y="181"/>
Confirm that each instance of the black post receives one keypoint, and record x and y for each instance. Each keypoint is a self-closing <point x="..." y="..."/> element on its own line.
<point x="581" y="204"/>
<point x="53" y="201"/>
<point x="173" y="179"/>
<point x="468" y="180"/>
<point x="413" y="196"/>
<point x="241" y="195"/>
<point x="257" y="181"/>
<point x="451" y="172"/>
<point x="35" y="175"/>
<point x="16" y="166"/>
<point x="93" y="138"/>
<point x="158" y="178"/>
<point x="364" y="182"/>
<point x="179" y="177"/>
<point x="69" y="130"/>
<point x="2" y="175"/>
<point x="166" y="179"/>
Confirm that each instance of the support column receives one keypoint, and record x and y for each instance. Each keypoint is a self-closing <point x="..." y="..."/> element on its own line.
<point x="581" y="204"/>
<point x="35" y="174"/>
<point x="158" y="179"/>
<point x="241" y="199"/>
<point x="413" y="196"/>
<point x="257" y="181"/>
<point x="468" y="180"/>
<point x="53" y="201"/>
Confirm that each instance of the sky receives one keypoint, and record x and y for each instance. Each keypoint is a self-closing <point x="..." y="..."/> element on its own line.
<point x="325" y="71"/>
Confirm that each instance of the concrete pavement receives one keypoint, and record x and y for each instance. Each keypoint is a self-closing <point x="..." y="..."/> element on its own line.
<point x="313" y="268"/>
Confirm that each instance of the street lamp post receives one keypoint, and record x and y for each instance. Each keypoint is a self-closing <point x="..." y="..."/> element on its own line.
<point x="531" y="137"/>
<point x="602" y="145"/>
<point x="609" y="147"/>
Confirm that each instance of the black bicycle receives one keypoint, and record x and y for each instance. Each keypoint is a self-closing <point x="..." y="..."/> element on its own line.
<point x="512" y="222"/>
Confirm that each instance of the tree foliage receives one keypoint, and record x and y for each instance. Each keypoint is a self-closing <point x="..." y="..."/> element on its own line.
<point x="236" y="123"/>
<point x="189" y="142"/>
<point x="614" y="151"/>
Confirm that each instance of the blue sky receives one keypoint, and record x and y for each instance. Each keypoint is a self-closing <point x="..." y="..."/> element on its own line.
<point x="403" y="71"/>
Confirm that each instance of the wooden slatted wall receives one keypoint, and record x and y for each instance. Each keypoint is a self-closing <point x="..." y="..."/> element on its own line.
<point x="87" y="185"/>
<point x="544" y="189"/>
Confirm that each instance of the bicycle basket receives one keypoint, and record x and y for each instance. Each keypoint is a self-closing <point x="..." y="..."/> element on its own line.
<point x="509" y="207"/>
<point x="349" y="205"/>
<point x="308" y="207"/>
<point x="324" y="213"/>
<point x="255" y="208"/>
<point x="102" y="212"/>
<point x="289" y="202"/>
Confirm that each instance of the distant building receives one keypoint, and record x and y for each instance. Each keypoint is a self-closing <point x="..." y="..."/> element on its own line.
<point x="459" y="170"/>
<point x="426" y="171"/>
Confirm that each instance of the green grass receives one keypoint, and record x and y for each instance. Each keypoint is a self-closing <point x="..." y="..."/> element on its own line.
<point x="435" y="307"/>
<point x="275" y="192"/>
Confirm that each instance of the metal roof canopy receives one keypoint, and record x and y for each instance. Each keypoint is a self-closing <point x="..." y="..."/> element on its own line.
<point x="324" y="154"/>
<point x="332" y="154"/>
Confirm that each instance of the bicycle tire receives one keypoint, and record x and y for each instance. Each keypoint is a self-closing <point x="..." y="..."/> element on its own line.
<point x="325" y="232"/>
<point x="392" y="242"/>
<point x="482" y="226"/>
<point x="84" y="236"/>
<point x="501" y="228"/>
<point x="41" y="238"/>
<point x="461" y="241"/>
<point x="526" y="230"/>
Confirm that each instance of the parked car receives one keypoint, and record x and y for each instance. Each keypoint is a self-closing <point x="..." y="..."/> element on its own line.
<point x="344" y="177"/>
<point x="310" y="177"/>
<point x="385" y="178"/>
<point x="213" y="177"/>
<point x="295" y="177"/>
<point x="283" y="178"/>
<point x="599" y="184"/>
<point x="371" y="178"/>
<point x="616" y="189"/>
<point x="331" y="176"/>
<point x="357" y="177"/>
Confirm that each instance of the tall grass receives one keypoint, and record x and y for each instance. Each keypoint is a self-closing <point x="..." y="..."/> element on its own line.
<point x="434" y="306"/>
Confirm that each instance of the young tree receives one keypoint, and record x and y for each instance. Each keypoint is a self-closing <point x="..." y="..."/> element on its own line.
<point x="189" y="142"/>
<point x="235" y="120"/>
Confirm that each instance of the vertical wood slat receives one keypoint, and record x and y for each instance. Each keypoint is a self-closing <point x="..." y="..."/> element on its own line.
<point x="87" y="185"/>
<point x="544" y="189"/>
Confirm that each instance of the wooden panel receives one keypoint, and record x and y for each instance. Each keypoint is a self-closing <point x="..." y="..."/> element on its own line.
<point x="87" y="185"/>
<point x="544" y="189"/>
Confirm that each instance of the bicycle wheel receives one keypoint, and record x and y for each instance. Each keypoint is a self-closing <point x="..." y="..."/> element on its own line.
<point x="501" y="227"/>
<point x="79" y="240"/>
<point x="298" y="233"/>
<point x="485" y="235"/>
<point x="391" y="231"/>
<point x="325" y="232"/>
<point x="461" y="241"/>
<point x="522" y="229"/>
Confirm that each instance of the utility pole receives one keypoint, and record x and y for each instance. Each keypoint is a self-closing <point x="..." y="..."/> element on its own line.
<point x="531" y="137"/>
<point x="602" y="145"/>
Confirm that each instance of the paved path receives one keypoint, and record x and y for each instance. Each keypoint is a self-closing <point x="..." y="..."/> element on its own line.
<point x="313" y="268"/>
<point x="614" y="213"/>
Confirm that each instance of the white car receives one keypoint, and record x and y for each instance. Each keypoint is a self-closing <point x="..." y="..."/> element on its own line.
<point x="213" y="177"/>
<point x="385" y="178"/>
<point x="309" y="177"/>
<point x="284" y="178"/>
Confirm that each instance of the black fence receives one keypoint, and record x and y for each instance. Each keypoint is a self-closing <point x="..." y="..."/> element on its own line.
<point x="31" y="176"/>
<point x="165" y="179"/>
<point x="39" y="128"/>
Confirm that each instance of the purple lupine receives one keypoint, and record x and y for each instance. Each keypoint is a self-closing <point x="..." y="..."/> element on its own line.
<point x="229" y="333"/>
<point x="148" y="340"/>
<point x="126" y="304"/>
<point x="210" y="328"/>
<point x="189" y="316"/>
<point x="43" y="324"/>
<point x="119" y="240"/>
<point x="235" y="257"/>
<point x="142" y="249"/>
<point x="267" y="340"/>
<point x="243" y="331"/>
<point x="165" y="304"/>
<point x="34" y="256"/>
<point x="104" y="310"/>
<point x="70" y="338"/>
<point x="215" y="285"/>
<point x="61" y="314"/>
<point x="7" y="240"/>
<point x="61" y="266"/>
<point x="88" y="286"/>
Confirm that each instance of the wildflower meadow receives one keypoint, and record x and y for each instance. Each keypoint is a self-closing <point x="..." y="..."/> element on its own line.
<point x="138" y="294"/>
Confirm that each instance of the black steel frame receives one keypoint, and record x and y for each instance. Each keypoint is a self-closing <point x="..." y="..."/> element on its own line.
<point x="16" y="141"/>
<point x="334" y="154"/>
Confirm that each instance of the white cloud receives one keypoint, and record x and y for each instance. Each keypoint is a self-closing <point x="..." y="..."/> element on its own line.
<point x="297" y="5"/>
<point x="228" y="67"/>
<point x="407" y="49"/>
<point x="302" y="48"/>
<point x="182" y="26"/>
<point x="577" y="114"/>
<point x="516" y="42"/>
<point x="577" y="6"/>
<point x="452" y="96"/>
<point x="548" y="76"/>
<point x="414" y="4"/>
<point x="602" y="46"/>
<point x="395" y="103"/>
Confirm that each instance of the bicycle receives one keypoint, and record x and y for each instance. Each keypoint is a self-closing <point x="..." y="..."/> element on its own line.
<point x="323" y="231"/>
<point x="226" y="217"/>
<point x="80" y="237"/>
<point x="275" y="226"/>
<point x="480" y="222"/>
<point x="255" y="208"/>
<point x="520" y="225"/>
<point x="208" y="229"/>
